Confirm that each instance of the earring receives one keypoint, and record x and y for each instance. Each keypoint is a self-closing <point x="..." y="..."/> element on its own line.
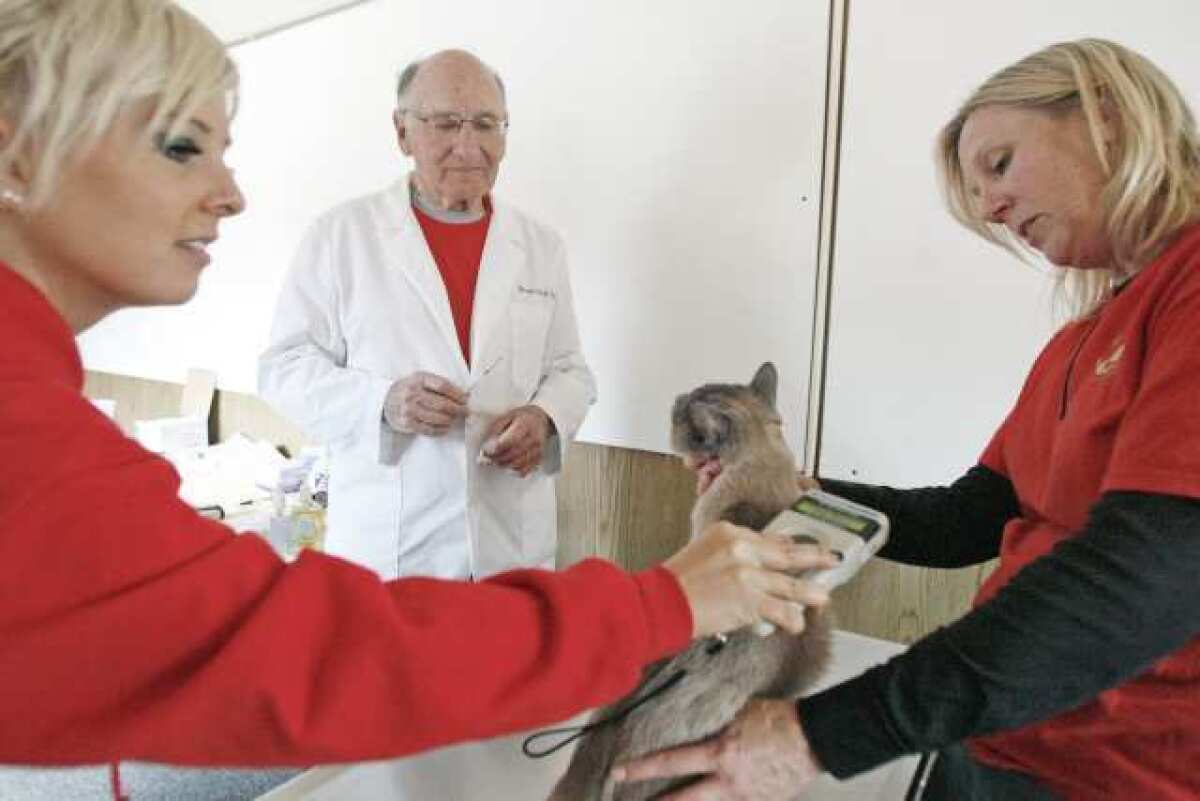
<point x="11" y="200"/>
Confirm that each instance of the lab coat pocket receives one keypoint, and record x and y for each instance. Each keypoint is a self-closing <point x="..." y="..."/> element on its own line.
<point x="530" y="326"/>
<point x="540" y="522"/>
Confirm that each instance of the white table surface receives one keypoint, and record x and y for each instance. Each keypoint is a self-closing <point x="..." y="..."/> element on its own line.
<point x="484" y="771"/>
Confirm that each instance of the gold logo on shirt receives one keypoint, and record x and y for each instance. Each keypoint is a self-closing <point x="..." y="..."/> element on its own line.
<point x="1107" y="364"/>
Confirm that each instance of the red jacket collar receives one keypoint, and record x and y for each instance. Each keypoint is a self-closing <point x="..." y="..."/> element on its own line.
<point x="37" y="340"/>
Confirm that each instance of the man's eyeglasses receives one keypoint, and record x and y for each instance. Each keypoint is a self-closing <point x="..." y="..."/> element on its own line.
<point x="450" y="124"/>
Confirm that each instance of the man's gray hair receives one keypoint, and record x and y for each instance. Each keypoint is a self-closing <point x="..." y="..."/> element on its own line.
<point x="409" y="74"/>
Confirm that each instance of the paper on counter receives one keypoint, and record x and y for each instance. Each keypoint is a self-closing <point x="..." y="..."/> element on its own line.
<point x="229" y="473"/>
<point x="168" y="435"/>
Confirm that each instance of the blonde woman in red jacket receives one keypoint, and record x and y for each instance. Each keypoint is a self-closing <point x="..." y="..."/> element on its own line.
<point x="130" y="628"/>
<point x="1076" y="675"/>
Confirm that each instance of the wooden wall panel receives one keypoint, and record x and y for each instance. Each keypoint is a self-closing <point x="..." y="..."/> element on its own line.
<point x="902" y="603"/>
<point x="235" y="413"/>
<point x="633" y="507"/>
<point x="137" y="398"/>
<point x="626" y="505"/>
<point x="629" y="506"/>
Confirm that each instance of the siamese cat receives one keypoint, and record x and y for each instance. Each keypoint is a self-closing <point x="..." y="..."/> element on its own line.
<point x="733" y="433"/>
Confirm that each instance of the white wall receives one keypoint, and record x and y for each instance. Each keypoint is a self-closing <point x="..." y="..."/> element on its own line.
<point x="933" y="330"/>
<point x="672" y="142"/>
<point x="675" y="144"/>
<point x="232" y="20"/>
<point x="310" y="103"/>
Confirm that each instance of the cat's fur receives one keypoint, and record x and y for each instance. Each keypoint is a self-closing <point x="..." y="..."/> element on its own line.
<point x="738" y="426"/>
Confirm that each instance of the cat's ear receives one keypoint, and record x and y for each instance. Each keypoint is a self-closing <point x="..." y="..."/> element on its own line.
<point x="765" y="382"/>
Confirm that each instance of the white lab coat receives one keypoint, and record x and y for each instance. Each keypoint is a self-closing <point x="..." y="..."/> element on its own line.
<point x="364" y="305"/>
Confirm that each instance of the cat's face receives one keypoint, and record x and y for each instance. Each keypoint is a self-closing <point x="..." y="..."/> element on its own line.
<point x="717" y="423"/>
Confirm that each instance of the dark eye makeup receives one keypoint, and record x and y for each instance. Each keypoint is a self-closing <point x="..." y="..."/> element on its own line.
<point x="177" y="148"/>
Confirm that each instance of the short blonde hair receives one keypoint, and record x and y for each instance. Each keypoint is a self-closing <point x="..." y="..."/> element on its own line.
<point x="69" y="67"/>
<point x="1153" y="169"/>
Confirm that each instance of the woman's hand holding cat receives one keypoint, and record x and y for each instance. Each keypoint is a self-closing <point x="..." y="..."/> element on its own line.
<point x="762" y="756"/>
<point x="733" y="577"/>
<point x="706" y="474"/>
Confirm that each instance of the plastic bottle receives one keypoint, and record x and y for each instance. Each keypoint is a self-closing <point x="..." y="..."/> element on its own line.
<point x="281" y="531"/>
<point x="308" y="522"/>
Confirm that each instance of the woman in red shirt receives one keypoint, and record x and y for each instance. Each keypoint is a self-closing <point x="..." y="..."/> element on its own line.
<point x="131" y="628"/>
<point x="1077" y="674"/>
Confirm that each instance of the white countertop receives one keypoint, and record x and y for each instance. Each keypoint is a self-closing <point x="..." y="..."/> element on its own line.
<point x="484" y="771"/>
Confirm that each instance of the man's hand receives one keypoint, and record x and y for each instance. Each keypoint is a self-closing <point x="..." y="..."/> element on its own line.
<point x="517" y="438"/>
<point x="762" y="756"/>
<point x="424" y="403"/>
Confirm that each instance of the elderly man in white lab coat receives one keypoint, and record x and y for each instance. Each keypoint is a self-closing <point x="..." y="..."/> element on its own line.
<point x="427" y="335"/>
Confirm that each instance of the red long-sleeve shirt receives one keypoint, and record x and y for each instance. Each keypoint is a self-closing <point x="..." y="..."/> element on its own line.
<point x="1080" y="663"/>
<point x="132" y="628"/>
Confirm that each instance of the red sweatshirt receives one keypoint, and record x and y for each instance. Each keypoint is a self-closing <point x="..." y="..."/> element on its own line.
<point x="132" y="628"/>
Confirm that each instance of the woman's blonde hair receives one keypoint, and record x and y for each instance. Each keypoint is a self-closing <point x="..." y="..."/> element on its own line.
<point x="68" y="68"/>
<point x="1153" y="168"/>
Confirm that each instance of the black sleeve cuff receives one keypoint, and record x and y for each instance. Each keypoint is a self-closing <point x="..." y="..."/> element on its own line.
<point x="848" y="728"/>
<point x="945" y="527"/>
